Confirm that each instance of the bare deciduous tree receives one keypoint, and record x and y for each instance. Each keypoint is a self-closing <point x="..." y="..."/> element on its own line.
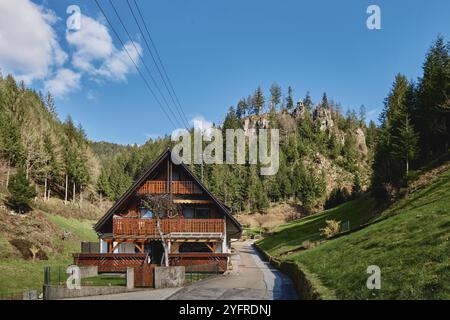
<point x="161" y="206"/>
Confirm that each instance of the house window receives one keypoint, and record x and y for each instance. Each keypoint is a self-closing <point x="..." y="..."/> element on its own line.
<point x="175" y="176"/>
<point x="188" y="213"/>
<point x="202" y="213"/>
<point x="146" y="214"/>
<point x="194" y="247"/>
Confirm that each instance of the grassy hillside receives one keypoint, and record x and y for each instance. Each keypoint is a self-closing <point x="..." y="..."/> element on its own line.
<point x="292" y="235"/>
<point x="45" y="230"/>
<point x="410" y="242"/>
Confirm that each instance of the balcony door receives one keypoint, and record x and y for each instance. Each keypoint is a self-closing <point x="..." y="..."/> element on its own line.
<point x="196" y="213"/>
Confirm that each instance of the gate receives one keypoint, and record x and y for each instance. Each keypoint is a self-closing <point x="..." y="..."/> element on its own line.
<point x="144" y="275"/>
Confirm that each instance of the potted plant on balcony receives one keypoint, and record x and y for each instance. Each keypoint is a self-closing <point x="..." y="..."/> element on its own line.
<point x="161" y="206"/>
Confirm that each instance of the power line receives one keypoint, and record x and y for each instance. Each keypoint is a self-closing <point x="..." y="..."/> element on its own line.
<point x="159" y="57"/>
<point x="135" y="65"/>
<point x="178" y="107"/>
<point x="143" y="62"/>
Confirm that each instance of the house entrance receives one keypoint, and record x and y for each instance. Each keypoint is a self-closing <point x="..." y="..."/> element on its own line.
<point x="155" y="251"/>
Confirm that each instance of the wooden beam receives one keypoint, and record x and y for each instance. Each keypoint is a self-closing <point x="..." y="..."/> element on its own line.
<point x="192" y="201"/>
<point x="211" y="247"/>
<point x="117" y="244"/>
<point x="141" y="248"/>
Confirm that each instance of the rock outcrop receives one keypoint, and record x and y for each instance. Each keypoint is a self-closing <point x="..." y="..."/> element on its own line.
<point x="323" y="118"/>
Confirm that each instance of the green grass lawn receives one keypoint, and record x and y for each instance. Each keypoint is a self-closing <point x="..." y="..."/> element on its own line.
<point x="18" y="274"/>
<point x="410" y="242"/>
<point x="291" y="235"/>
<point x="252" y="232"/>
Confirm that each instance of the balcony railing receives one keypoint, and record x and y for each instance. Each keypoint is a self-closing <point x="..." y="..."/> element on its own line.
<point x="148" y="228"/>
<point x="178" y="187"/>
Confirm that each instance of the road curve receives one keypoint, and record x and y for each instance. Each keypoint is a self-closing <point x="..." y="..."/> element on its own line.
<point x="252" y="278"/>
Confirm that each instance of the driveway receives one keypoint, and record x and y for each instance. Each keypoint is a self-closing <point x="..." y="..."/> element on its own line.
<point x="251" y="279"/>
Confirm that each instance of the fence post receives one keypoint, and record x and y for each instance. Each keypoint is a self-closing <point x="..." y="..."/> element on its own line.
<point x="130" y="277"/>
<point x="46" y="275"/>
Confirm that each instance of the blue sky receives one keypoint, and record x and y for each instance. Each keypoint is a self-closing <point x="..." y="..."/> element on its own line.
<point x="218" y="51"/>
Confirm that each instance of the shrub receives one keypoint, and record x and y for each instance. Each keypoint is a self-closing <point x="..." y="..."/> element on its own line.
<point x="333" y="228"/>
<point x="21" y="192"/>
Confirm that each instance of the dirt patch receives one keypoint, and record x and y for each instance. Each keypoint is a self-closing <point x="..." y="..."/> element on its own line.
<point x="83" y="211"/>
<point x="34" y="227"/>
<point x="25" y="248"/>
<point x="275" y="216"/>
<point x="426" y="178"/>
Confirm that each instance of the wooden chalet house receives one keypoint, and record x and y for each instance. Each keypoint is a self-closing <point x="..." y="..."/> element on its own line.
<point x="199" y="235"/>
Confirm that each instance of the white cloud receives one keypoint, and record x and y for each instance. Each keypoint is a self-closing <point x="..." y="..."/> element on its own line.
<point x="96" y="54"/>
<point x="29" y="49"/>
<point x="92" y="43"/>
<point x="118" y="65"/>
<point x="28" y="44"/>
<point x="201" y="124"/>
<point x="63" y="82"/>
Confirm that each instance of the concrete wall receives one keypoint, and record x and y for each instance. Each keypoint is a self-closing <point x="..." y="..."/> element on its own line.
<point x="169" y="277"/>
<point x="62" y="292"/>
<point x="87" y="272"/>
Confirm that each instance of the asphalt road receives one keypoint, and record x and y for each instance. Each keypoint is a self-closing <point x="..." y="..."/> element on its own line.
<point x="251" y="279"/>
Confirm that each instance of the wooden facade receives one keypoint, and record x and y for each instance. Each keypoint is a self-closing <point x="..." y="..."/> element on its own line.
<point x="175" y="187"/>
<point x="199" y="235"/>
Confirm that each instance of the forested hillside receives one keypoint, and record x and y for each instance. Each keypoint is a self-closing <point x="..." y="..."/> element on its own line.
<point x="403" y="225"/>
<point x="55" y="156"/>
<point x="325" y="156"/>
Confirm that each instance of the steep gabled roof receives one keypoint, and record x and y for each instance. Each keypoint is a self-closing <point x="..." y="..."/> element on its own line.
<point x="130" y="192"/>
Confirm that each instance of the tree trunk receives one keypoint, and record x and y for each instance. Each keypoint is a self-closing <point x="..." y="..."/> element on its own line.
<point x="48" y="195"/>
<point x="407" y="167"/>
<point x="164" y="244"/>
<point x="81" y="195"/>
<point x="67" y="187"/>
<point x="73" y="193"/>
<point x="8" y="173"/>
<point x="45" y="187"/>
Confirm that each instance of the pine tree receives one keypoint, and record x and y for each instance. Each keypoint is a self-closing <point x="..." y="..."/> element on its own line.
<point x="362" y="116"/>
<point x="241" y="109"/>
<point x="433" y="90"/>
<point x="231" y="120"/>
<point x="307" y="102"/>
<point x="275" y="95"/>
<point x="290" y="99"/>
<point x="258" y="101"/>
<point x="391" y="144"/>
<point x="21" y="192"/>
<point x="405" y="143"/>
<point x="50" y="105"/>
<point x="324" y="104"/>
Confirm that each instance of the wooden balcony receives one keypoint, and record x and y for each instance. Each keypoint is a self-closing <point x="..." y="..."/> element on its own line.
<point x="178" y="187"/>
<point x="132" y="227"/>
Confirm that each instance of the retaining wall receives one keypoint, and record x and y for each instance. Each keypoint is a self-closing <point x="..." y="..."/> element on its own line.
<point x="62" y="292"/>
<point x="307" y="285"/>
